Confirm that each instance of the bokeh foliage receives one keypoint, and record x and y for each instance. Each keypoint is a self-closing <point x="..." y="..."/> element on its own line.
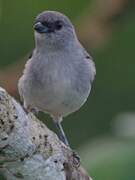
<point x="110" y="158"/>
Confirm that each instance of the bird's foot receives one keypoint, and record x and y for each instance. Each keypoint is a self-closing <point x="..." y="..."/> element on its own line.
<point x="29" y="109"/>
<point x="76" y="159"/>
<point x="34" y="111"/>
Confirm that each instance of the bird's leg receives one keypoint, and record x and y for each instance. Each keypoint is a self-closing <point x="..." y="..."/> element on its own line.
<point x="61" y="133"/>
<point x="63" y="138"/>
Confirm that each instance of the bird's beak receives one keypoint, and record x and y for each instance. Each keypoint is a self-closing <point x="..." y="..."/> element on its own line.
<point x="40" y="28"/>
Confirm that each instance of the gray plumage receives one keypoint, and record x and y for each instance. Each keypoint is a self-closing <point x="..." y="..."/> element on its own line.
<point x="57" y="78"/>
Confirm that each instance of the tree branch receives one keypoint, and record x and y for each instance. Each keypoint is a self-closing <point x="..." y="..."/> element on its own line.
<point x="29" y="150"/>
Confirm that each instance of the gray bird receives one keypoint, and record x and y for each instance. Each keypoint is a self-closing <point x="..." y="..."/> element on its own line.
<point x="58" y="76"/>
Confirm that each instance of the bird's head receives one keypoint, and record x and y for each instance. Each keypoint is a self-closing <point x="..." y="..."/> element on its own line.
<point x="53" y="29"/>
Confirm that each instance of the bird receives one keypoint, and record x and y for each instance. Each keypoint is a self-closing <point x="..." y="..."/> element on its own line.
<point x="58" y="76"/>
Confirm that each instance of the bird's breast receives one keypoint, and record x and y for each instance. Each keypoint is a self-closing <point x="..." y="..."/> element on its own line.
<point x="59" y="86"/>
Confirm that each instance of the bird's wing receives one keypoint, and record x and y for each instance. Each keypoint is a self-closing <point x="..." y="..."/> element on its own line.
<point x="30" y="55"/>
<point x="20" y="82"/>
<point x="91" y="63"/>
<point x="20" y="89"/>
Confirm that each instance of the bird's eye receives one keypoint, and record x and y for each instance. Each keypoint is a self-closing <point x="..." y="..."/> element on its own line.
<point x="58" y="25"/>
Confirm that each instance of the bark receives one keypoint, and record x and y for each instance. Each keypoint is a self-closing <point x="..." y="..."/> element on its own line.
<point x="29" y="150"/>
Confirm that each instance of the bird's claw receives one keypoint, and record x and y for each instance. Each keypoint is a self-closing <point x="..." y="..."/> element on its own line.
<point x="32" y="110"/>
<point x="76" y="159"/>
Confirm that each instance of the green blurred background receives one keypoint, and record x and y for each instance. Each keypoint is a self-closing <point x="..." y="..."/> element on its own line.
<point x="103" y="129"/>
